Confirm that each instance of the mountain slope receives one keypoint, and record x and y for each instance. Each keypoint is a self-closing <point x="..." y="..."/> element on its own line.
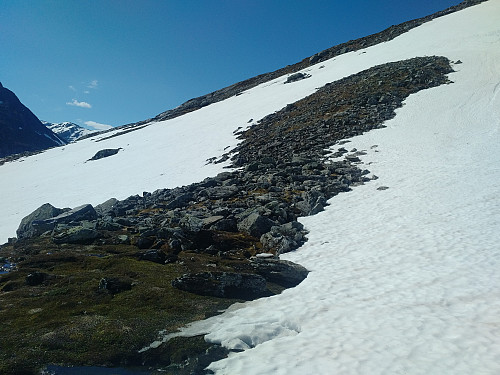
<point x="67" y="131"/>
<point x="350" y="46"/>
<point x="404" y="270"/>
<point x="20" y="129"/>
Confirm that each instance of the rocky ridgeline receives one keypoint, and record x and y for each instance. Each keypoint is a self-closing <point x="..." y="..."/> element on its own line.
<point x="251" y="213"/>
<point x="350" y="46"/>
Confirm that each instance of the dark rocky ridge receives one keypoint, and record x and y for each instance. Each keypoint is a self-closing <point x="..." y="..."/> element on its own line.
<point x="221" y="231"/>
<point x="20" y="130"/>
<point x="350" y="46"/>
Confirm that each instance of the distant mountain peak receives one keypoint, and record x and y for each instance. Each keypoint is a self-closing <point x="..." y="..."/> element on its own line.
<point x="68" y="131"/>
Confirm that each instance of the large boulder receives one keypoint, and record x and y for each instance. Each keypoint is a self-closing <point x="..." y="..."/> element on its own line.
<point x="105" y="153"/>
<point x="46" y="211"/>
<point x="255" y="224"/>
<point x="282" y="272"/>
<point x="80" y="213"/>
<point x="191" y="223"/>
<point x="297" y="77"/>
<point x="106" y="208"/>
<point x="223" y="284"/>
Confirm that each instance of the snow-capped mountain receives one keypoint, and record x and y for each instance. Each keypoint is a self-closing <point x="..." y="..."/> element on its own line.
<point x="68" y="131"/>
<point x="404" y="270"/>
<point x="20" y="129"/>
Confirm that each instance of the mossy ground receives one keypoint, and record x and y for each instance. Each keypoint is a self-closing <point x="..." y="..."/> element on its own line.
<point x="68" y="320"/>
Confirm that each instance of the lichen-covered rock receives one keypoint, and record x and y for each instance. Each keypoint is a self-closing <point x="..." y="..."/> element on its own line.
<point x="75" y="235"/>
<point x="45" y="211"/>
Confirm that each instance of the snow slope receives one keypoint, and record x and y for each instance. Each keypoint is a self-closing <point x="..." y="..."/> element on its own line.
<point x="404" y="280"/>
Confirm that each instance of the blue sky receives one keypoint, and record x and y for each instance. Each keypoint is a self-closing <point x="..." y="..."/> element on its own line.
<point x="117" y="62"/>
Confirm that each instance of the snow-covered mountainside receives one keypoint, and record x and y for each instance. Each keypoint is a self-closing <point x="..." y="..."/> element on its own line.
<point x="20" y="129"/>
<point x="404" y="269"/>
<point x="68" y="131"/>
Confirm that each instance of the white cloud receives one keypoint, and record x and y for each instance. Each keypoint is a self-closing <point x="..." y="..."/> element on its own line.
<point x="72" y="88"/>
<point x="93" y="84"/>
<point x="76" y="103"/>
<point x="86" y="92"/>
<point x="97" y="126"/>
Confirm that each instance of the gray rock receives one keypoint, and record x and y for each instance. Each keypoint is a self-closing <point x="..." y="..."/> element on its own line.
<point x="179" y="201"/>
<point x="105" y="153"/>
<point x="46" y="211"/>
<point x="80" y="213"/>
<point x="222" y="192"/>
<point x="297" y="77"/>
<point x="75" y="235"/>
<point x="223" y="176"/>
<point x="255" y="225"/>
<point x="106" y="208"/>
<point x="291" y="228"/>
<point x="226" y="225"/>
<point x="191" y="223"/>
<point x="208" y="221"/>
<point x="314" y="202"/>
<point x="282" y="272"/>
<point x="284" y="238"/>
<point x="123" y="239"/>
<point x="108" y="225"/>
<point x="223" y="284"/>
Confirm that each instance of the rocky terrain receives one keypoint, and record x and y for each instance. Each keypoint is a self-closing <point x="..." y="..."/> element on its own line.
<point x="20" y="130"/>
<point x="94" y="285"/>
